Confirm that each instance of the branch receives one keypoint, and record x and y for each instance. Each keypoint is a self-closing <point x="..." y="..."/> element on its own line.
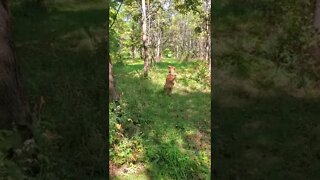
<point x="115" y="16"/>
<point x="140" y="8"/>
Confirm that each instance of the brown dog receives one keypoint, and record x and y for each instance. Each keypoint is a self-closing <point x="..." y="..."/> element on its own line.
<point x="171" y="76"/>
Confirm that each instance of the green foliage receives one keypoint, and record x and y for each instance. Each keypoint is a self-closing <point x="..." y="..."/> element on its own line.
<point x="126" y="146"/>
<point x="114" y="45"/>
<point x="188" y="5"/>
<point x="290" y="38"/>
<point x="8" y="168"/>
<point x="126" y="31"/>
<point x="201" y="74"/>
<point x="198" y="30"/>
<point x="168" y="53"/>
<point x="171" y="163"/>
<point x="297" y="36"/>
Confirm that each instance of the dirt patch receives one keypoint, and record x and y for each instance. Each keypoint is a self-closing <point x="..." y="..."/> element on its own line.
<point x="125" y="169"/>
<point x="198" y="140"/>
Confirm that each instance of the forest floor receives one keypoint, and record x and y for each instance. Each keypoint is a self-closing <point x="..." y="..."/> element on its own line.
<point x="163" y="137"/>
<point x="264" y="126"/>
<point x="61" y="50"/>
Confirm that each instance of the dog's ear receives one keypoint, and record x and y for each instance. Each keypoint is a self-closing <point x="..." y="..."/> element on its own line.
<point x="169" y="67"/>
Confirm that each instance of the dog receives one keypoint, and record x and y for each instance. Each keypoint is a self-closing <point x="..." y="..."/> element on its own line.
<point x="171" y="76"/>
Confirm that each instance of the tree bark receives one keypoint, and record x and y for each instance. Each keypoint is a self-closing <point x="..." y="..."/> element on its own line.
<point x="315" y="49"/>
<point x="14" y="109"/>
<point x="133" y="46"/>
<point x="158" y="40"/>
<point x="208" y="43"/>
<point x="133" y="51"/>
<point x="113" y="95"/>
<point x="144" y="38"/>
<point x="177" y="51"/>
<point x="317" y="15"/>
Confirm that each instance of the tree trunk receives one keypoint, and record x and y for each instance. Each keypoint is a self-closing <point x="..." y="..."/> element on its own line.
<point x="113" y="95"/>
<point x="159" y="39"/>
<point x="133" y="46"/>
<point x="210" y="35"/>
<point x="317" y="15"/>
<point x="14" y="109"/>
<point x="144" y="38"/>
<point x="208" y="44"/>
<point x="141" y="52"/>
<point x="207" y="56"/>
<point x="177" y="51"/>
<point x="15" y="114"/>
<point x="315" y="49"/>
<point x="133" y="51"/>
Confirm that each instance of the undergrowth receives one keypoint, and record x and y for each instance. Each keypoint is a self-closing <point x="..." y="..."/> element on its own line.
<point x="60" y="50"/>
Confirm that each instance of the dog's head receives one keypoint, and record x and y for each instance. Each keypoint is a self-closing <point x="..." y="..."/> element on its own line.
<point x="171" y="69"/>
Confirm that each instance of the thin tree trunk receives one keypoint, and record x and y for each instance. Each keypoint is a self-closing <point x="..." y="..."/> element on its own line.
<point x="113" y="95"/>
<point x="205" y="48"/>
<point x="207" y="43"/>
<point x="144" y="39"/>
<point x="211" y="49"/>
<point x="208" y="59"/>
<point x="133" y="51"/>
<point x="141" y="52"/>
<point x="317" y="15"/>
<point x="315" y="49"/>
<point x="133" y="46"/>
<point x="177" y="51"/>
<point x="159" y="39"/>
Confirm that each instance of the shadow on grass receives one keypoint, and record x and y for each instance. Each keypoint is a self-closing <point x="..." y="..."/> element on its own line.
<point x="68" y="71"/>
<point x="267" y="137"/>
<point x="176" y="129"/>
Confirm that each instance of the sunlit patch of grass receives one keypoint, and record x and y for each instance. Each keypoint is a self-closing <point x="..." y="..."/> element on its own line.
<point x="164" y="120"/>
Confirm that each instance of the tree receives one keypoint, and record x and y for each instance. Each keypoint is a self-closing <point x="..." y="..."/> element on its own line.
<point x="207" y="9"/>
<point x="167" y="27"/>
<point x="317" y="15"/>
<point x="315" y="48"/>
<point x="113" y="95"/>
<point x="15" y="116"/>
<point x="14" y="109"/>
<point x="144" y="38"/>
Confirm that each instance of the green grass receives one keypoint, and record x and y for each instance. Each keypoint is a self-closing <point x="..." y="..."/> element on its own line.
<point x="60" y="48"/>
<point x="172" y="134"/>
<point x="265" y="127"/>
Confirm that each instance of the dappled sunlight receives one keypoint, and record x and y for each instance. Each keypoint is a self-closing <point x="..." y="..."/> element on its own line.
<point x="175" y="130"/>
